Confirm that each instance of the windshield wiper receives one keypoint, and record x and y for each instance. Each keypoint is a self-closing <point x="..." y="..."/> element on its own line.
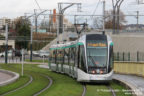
<point x="92" y="60"/>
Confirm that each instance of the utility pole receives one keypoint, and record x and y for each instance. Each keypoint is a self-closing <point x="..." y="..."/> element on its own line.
<point x="137" y="19"/>
<point x="35" y="20"/>
<point x="31" y="43"/>
<point x="57" y="31"/>
<point x="116" y="9"/>
<point x="104" y="16"/>
<point x="36" y="17"/>
<point x="61" y="12"/>
<point x="31" y="36"/>
<point x="22" y="71"/>
<point x="6" y="43"/>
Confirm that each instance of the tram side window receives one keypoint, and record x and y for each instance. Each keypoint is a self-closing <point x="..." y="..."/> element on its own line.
<point x="55" y="56"/>
<point x="82" y="61"/>
<point x="66" y="54"/>
<point x="111" y="58"/>
<point x="73" y="56"/>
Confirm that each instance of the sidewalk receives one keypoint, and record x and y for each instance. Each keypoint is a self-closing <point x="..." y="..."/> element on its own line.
<point x="7" y="77"/>
<point x="135" y="82"/>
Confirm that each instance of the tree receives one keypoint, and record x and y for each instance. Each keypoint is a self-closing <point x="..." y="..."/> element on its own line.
<point x="97" y="23"/>
<point x="22" y="28"/>
<point x="109" y="20"/>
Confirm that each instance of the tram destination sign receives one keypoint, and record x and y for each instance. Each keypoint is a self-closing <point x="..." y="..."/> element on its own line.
<point x="96" y="44"/>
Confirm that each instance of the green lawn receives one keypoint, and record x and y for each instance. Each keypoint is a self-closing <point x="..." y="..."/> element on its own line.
<point x="63" y="85"/>
<point x="119" y="89"/>
<point x="18" y="83"/>
<point x="97" y="90"/>
<point x="41" y="61"/>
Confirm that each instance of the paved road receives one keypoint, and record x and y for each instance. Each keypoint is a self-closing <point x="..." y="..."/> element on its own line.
<point x="4" y="77"/>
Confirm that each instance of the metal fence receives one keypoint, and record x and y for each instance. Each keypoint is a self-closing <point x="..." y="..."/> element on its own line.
<point x="127" y="56"/>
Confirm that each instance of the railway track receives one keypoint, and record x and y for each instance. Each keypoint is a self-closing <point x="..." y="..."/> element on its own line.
<point x="84" y="90"/>
<point x="112" y="91"/>
<point x="30" y="81"/>
<point x="48" y="86"/>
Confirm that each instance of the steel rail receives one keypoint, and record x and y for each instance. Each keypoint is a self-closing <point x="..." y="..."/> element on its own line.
<point x="112" y="91"/>
<point x="30" y="81"/>
<point x="84" y="90"/>
<point x="48" y="86"/>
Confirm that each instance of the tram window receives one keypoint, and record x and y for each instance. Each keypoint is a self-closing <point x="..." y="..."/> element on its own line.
<point x="55" y="56"/>
<point x="72" y="55"/>
<point x="63" y="56"/>
<point x="97" y="53"/>
<point x="111" y="58"/>
<point x="54" y="52"/>
<point x="82" y="60"/>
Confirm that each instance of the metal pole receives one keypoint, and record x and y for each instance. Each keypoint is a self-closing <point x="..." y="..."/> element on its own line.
<point x="31" y="44"/>
<point x="6" y="45"/>
<point x="22" y="61"/>
<point x="57" y="31"/>
<point x="137" y="20"/>
<point x="43" y="59"/>
<point x="104" y="16"/>
<point x="35" y="20"/>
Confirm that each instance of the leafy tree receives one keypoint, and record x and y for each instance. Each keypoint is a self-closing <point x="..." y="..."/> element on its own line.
<point x="22" y="28"/>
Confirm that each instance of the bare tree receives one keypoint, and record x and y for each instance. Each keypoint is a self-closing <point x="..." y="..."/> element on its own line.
<point x="109" y="20"/>
<point x="98" y="22"/>
<point x="116" y="12"/>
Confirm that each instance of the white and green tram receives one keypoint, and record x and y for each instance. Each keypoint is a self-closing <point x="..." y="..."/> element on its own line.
<point x="89" y="59"/>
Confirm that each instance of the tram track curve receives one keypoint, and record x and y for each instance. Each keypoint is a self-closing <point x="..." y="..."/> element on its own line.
<point x="84" y="90"/>
<point x="29" y="82"/>
<point x="48" y="86"/>
<point x="112" y="91"/>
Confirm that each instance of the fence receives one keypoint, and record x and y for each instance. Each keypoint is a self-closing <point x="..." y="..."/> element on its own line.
<point x="135" y="68"/>
<point x="127" y="56"/>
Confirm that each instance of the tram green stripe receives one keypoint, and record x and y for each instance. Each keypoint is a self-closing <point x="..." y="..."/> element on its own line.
<point x="79" y="43"/>
<point x="112" y="44"/>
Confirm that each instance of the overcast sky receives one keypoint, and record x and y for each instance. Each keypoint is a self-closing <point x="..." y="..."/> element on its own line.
<point x="15" y="8"/>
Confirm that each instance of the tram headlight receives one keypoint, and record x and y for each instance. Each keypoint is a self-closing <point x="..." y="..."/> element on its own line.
<point x="92" y="72"/>
<point x="101" y="72"/>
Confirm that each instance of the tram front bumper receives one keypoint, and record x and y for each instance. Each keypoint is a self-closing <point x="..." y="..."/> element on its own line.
<point x="85" y="77"/>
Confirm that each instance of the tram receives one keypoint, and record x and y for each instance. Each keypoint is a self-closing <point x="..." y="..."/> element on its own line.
<point x="88" y="59"/>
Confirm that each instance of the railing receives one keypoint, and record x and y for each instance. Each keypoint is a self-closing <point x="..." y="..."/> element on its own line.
<point x="127" y="56"/>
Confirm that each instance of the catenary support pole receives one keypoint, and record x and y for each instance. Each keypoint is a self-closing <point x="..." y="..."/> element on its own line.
<point x="6" y="43"/>
<point x="31" y="44"/>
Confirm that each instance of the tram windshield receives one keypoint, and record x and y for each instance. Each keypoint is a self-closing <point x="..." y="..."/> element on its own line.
<point x="97" y="53"/>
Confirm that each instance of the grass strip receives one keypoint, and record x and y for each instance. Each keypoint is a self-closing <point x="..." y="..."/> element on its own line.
<point x="18" y="83"/>
<point x="63" y="85"/>
<point x="120" y="90"/>
<point x="97" y="90"/>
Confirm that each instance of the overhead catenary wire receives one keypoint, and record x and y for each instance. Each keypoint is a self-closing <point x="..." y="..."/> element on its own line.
<point x="38" y="4"/>
<point x="96" y="8"/>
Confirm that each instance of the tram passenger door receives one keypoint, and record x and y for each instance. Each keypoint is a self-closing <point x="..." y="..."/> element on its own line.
<point x="81" y="58"/>
<point x="110" y="58"/>
<point x="72" y="60"/>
